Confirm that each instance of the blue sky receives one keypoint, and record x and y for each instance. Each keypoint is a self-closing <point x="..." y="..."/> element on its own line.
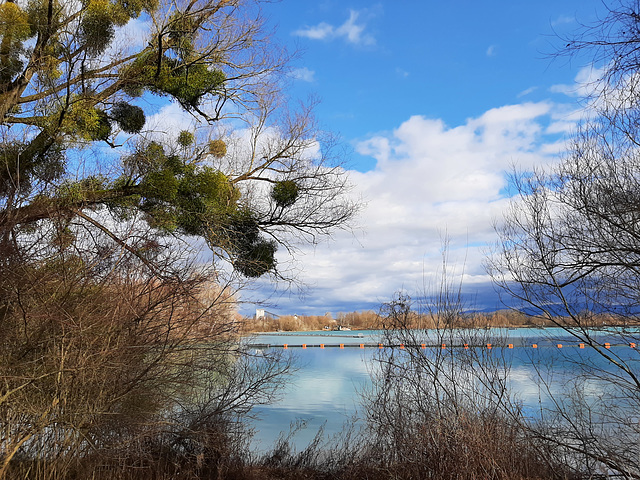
<point x="376" y="64"/>
<point x="436" y="101"/>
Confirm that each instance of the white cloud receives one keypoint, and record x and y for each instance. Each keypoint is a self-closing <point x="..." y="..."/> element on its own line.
<point x="597" y="94"/>
<point x="135" y="33"/>
<point x="169" y="121"/>
<point x="128" y="39"/>
<point x="526" y="92"/>
<point x="585" y="84"/>
<point x="321" y="31"/>
<point x="351" y="31"/>
<point x="491" y="51"/>
<point x="430" y="181"/>
<point x="304" y="74"/>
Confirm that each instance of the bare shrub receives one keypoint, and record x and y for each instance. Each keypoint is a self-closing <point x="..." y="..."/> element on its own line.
<point x="100" y="356"/>
<point x="444" y="411"/>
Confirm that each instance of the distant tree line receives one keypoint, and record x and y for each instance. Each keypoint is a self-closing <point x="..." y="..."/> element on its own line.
<point x="372" y="320"/>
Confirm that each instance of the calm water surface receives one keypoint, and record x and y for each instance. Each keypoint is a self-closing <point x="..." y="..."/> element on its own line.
<point x="326" y="389"/>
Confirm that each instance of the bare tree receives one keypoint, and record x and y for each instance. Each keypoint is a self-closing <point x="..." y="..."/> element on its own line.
<point x="569" y="252"/>
<point x="439" y="406"/>
<point x="115" y="341"/>
<point x="98" y="354"/>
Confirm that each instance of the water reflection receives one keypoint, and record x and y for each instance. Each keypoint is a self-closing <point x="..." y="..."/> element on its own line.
<point x="324" y="392"/>
<point x="326" y="389"/>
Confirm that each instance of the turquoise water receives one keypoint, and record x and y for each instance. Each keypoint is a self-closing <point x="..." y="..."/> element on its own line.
<point x="323" y="393"/>
<point x="326" y="390"/>
<point x="517" y="336"/>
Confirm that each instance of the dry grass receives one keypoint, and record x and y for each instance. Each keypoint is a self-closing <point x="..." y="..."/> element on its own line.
<point x="468" y="447"/>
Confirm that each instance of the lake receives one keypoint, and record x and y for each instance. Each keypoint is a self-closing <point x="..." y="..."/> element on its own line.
<point x="326" y="389"/>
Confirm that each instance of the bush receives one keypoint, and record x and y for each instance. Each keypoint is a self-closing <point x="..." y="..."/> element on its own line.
<point x="103" y="360"/>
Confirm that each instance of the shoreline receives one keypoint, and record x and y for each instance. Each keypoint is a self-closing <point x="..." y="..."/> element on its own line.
<point x="320" y="333"/>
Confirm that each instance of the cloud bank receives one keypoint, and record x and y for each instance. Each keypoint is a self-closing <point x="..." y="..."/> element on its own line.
<point x="431" y="182"/>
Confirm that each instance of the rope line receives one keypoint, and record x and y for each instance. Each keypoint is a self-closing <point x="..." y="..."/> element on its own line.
<point x="438" y="345"/>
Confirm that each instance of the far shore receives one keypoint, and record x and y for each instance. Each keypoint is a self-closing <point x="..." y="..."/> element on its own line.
<point x="370" y="320"/>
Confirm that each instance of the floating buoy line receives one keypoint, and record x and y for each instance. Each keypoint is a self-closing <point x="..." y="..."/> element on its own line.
<point x="442" y="346"/>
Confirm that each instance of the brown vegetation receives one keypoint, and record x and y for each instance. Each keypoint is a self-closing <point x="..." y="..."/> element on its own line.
<point x="102" y="360"/>
<point x="365" y="320"/>
<point x="142" y="390"/>
<point x="471" y="448"/>
<point x="370" y="320"/>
